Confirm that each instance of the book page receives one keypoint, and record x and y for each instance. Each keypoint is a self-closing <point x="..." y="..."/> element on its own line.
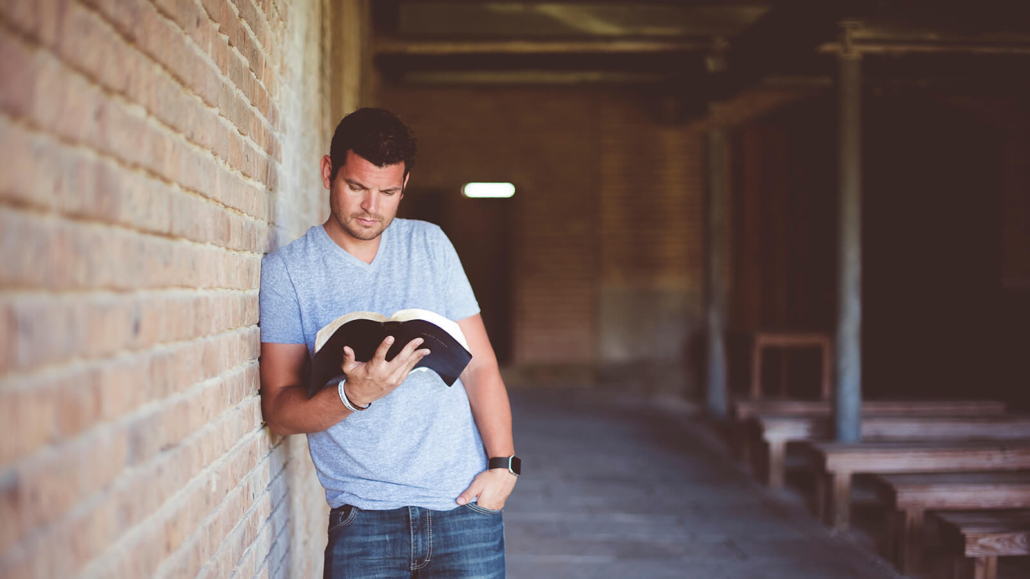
<point x="327" y="331"/>
<point x="448" y="326"/>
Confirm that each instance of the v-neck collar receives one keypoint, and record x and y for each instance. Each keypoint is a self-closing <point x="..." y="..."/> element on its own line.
<point x="323" y="236"/>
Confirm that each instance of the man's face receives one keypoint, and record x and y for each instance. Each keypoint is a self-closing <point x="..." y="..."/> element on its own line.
<point x="364" y="198"/>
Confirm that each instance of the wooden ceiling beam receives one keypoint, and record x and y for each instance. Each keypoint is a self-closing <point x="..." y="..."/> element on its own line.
<point x="395" y="46"/>
<point x="889" y="39"/>
<point x="897" y="48"/>
<point x="529" y="77"/>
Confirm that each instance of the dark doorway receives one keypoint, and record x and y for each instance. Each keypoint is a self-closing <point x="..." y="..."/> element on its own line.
<point x="932" y="250"/>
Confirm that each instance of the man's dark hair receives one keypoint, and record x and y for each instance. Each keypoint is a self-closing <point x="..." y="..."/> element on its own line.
<point x="377" y="135"/>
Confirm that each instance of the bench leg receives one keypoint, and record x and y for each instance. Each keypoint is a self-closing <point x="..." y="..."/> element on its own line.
<point x="783" y="372"/>
<point x="911" y="541"/>
<point x="777" y="458"/>
<point x="756" y="371"/>
<point x="822" y="498"/>
<point x="747" y="443"/>
<point x="827" y="371"/>
<point x="961" y="568"/>
<point x="827" y="496"/>
<point x="978" y="568"/>
<point x="840" y="500"/>
<point x="986" y="567"/>
<point x="892" y="548"/>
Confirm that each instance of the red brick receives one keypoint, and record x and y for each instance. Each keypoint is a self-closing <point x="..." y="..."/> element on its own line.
<point x="187" y="65"/>
<point x="148" y="491"/>
<point x="66" y="255"/>
<point x="8" y="345"/>
<point x="19" y="74"/>
<point x="137" y="153"/>
<point x="47" y="486"/>
<point x="33" y="415"/>
<point x="234" y="524"/>
<point x="63" y="404"/>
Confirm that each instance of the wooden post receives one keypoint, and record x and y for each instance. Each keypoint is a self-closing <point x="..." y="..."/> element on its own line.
<point x="847" y="401"/>
<point x="715" y="286"/>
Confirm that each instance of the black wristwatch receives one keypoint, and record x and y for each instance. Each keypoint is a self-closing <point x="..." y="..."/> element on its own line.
<point x="512" y="463"/>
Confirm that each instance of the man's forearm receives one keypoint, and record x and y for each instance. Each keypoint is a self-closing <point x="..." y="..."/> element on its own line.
<point x="491" y="409"/>
<point x="290" y="411"/>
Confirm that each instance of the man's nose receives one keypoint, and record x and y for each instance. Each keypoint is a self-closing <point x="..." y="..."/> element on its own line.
<point x="369" y="203"/>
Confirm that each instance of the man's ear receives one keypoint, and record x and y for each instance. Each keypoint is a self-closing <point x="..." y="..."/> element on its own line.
<point x="404" y="186"/>
<point x="327" y="172"/>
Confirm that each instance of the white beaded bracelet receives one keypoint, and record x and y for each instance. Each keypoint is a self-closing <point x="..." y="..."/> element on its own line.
<point x="346" y="401"/>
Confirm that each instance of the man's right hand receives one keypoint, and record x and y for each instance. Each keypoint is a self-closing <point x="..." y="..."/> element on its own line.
<point x="372" y="380"/>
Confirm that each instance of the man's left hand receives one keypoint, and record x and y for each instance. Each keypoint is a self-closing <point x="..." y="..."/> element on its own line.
<point x="490" y="489"/>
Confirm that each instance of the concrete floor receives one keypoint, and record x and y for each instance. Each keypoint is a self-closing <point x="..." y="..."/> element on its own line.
<point x="634" y="489"/>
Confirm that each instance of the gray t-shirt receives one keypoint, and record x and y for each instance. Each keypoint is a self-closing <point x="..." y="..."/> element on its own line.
<point x="418" y="446"/>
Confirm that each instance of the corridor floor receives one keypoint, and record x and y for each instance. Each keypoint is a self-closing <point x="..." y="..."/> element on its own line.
<point x="616" y="488"/>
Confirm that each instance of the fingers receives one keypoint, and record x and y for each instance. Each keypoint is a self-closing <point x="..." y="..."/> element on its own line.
<point x="409" y="356"/>
<point x="348" y="360"/>
<point x="406" y="359"/>
<point x="470" y="493"/>
<point x="389" y="374"/>
<point x="409" y="348"/>
<point x="380" y="356"/>
<point x="415" y="359"/>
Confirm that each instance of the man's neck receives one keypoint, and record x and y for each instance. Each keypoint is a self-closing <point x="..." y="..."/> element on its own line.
<point x="365" y="250"/>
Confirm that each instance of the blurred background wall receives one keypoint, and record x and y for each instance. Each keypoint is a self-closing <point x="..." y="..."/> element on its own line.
<point x="150" y="153"/>
<point x="592" y="273"/>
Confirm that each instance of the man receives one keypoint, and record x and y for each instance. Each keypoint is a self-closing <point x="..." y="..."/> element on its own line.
<point x="402" y="456"/>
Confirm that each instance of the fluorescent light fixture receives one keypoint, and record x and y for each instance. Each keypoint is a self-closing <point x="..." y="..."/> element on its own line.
<point x="488" y="190"/>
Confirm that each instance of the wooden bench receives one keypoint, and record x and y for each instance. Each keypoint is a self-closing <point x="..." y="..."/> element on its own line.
<point x="909" y="496"/>
<point x="784" y="339"/>
<point x="745" y="409"/>
<point x="977" y="538"/>
<point x="836" y="462"/>
<point x="777" y="430"/>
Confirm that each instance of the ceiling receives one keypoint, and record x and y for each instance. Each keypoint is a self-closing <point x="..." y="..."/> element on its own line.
<point x="672" y="45"/>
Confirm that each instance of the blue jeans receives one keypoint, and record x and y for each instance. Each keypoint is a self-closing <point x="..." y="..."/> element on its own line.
<point x="415" y="543"/>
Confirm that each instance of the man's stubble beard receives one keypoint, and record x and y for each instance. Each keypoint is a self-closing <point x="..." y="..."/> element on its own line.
<point x="362" y="234"/>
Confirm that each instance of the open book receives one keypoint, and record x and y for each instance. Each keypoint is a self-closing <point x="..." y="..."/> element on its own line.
<point x="363" y="332"/>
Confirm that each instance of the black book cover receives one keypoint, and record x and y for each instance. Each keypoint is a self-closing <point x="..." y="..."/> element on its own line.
<point x="448" y="357"/>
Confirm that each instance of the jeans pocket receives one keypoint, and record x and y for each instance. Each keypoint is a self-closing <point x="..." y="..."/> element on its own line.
<point x="341" y="517"/>
<point x="482" y="510"/>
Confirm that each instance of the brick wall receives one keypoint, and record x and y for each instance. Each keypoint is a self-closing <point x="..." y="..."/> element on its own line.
<point x="150" y="153"/>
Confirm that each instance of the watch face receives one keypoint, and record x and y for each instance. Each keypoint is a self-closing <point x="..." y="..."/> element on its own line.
<point x="515" y="465"/>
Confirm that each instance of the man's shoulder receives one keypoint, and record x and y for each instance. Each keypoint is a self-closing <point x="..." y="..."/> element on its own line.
<point x="422" y="231"/>
<point x="417" y="227"/>
<point x="292" y="250"/>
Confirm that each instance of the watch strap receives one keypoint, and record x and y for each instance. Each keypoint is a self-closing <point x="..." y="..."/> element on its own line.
<point x="512" y="463"/>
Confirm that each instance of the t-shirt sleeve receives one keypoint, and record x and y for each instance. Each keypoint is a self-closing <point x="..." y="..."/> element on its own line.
<point x="280" y="310"/>
<point x="458" y="296"/>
